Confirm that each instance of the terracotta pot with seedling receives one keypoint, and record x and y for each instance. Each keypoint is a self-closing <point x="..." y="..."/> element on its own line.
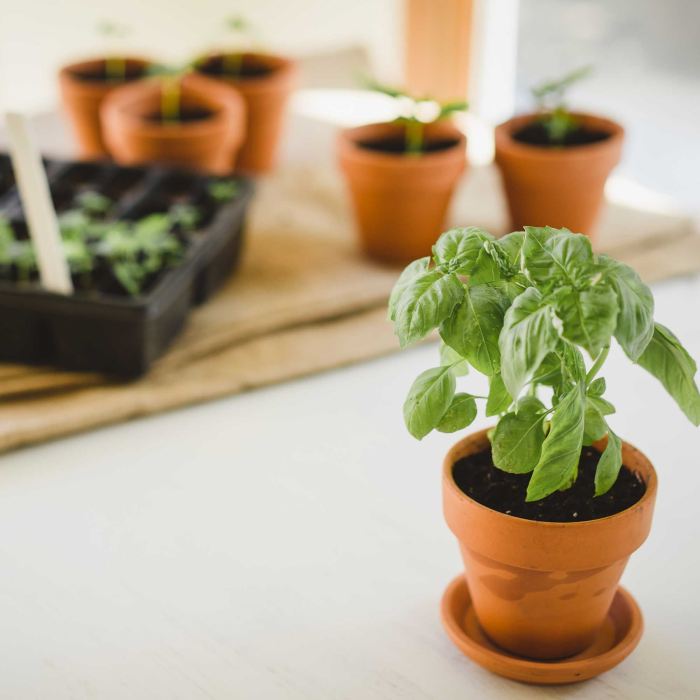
<point x="554" y="163"/>
<point x="265" y="81"/>
<point x="85" y="85"/>
<point x="177" y="118"/>
<point x="549" y="504"/>
<point x="401" y="175"/>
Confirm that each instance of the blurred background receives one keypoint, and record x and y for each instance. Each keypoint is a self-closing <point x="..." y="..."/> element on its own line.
<point x="646" y="56"/>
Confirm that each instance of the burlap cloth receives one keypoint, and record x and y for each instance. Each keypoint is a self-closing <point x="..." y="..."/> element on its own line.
<point x="303" y="301"/>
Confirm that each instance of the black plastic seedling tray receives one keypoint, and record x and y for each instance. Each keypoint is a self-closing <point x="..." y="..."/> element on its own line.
<point x="113" y="333"/>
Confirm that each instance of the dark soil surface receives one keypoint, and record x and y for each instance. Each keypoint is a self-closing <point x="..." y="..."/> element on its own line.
<point x="100" y="75"/>
<point x="478" y="478"/>
<point x="185" y="117"/>
<point x="535" y="134"/>
<point x="398" y="145"/>
<point x="252" y="67"/>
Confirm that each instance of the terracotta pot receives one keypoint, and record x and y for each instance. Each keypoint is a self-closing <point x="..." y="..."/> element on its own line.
<point x="400" y="200"/>
<point x="542" y="589"/>
<point x="265" y="98"/>
<point x="82" y="98"/>
<point x="559" y="187"/>
<point x="209" y="144"/>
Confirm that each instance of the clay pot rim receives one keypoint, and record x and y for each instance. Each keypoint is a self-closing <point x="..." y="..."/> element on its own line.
<point x="283" y="71"/>
<point x="349" y="147"/>
<point x="223" y="107"/>
<point x="67" y="74"/>
<point x="505" y="141"/>
<point x="455" y="453"/>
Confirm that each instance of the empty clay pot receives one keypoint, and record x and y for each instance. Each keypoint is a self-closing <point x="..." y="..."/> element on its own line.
<point x="134" y="134"/>
<point x="542" y="589"/>
<point x="559" y="187"/>
<point x="400" y="200"/>
<point x="82" y="93"/>
<point x="265" y="89"/>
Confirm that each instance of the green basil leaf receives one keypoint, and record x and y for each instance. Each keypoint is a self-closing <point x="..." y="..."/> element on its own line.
<point x="597" y="387"/>
<point x="460" y="414"/>
<point x="458" y="249"/>
<point x="554" y="256"/>
<point x="670" y="363"/>
<point x="635" y="322"/>
<point x="609" y="465"/>
<point x="549" y="372"/>
<point x="415" y="269"/>
<point x="453" y="359"/>
<point x="594" y="426"/>
<point x="528" y="336"/>
<point x="588" y="317"/>
<point x="561" y="450"/>
<point x="428" y="400"/>
<point x="474" y="327"/>
<point x="427" y="300"/>
<point x="486" y="270"/>
<point x="499" y="400"/>
<point x="517" y="441"/>
<point x="512" y="245"/>
<point x="604" y="406"/>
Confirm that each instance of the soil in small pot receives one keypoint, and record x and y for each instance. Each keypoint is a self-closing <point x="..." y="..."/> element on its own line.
<point x="99" y="74"/>
<point x="477" y="477"/>
<point x="396" y="144"/>
<point x="535" y="134"/>
<point x="249" y="67"/>
<point x="185" y="117"/>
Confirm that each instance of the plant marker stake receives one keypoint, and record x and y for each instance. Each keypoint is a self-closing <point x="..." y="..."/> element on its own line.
<point x="33" y="187"/>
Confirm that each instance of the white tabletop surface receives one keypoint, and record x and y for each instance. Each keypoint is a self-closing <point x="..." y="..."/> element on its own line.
<point x="289" y="543"/>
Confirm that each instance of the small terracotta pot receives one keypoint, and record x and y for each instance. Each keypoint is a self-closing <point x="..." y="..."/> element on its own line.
<point x="209" y="144"/>
<point x="400" y="200"/>
<point x="265" y="98"/>
<point x="83" y="97"/>
<point x="559" y="187"/>
<point x="542" y="589"/>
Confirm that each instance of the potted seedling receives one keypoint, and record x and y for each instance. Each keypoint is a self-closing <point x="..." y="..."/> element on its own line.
<point x="265" y="82"/>
<point x="176" y="117"/>
<point x="554" y="163"/>
<point x="549" y="504"/>
<point x="401" y="175"/>
<point x="85" y="84"/>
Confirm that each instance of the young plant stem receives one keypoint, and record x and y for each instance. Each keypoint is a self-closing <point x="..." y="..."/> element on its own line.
<point x="414" y="136"/>
<point x="115" y="69"/>
<point x="597" y="364"/>
<point x="233" y="64"/>
<point x="170" y="93"/>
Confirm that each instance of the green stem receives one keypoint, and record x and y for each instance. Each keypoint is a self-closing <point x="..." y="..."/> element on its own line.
<point x="170" y="99"/>
<point x="233" y="64"/>
<point x="597" y="364"/>
<point x="115" y="69"/>
<point x="414" y="137"/>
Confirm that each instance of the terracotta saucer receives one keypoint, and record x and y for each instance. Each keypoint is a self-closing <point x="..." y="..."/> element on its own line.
<point x="616" y="640"/>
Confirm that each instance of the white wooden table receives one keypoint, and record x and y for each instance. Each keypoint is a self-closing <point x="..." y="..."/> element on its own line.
<point x="289" y="543"/>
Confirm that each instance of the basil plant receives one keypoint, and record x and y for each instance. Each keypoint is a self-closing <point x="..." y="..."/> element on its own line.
<point x="526" y="310"/>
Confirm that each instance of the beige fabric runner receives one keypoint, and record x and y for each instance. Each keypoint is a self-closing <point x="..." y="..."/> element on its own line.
<point x="303" y="301"/>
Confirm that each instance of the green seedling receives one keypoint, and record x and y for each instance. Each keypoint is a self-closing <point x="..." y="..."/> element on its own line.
<point x="115" y="66"/>
<point x="416" y="112"/>
<point x="550" y="98"/>
<point x="525" y="310"/>
<point x="133" y="250"/>
<point x="223" y="190"/>
<point x="240" y="29"/>
<point x="171" y="89"/>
